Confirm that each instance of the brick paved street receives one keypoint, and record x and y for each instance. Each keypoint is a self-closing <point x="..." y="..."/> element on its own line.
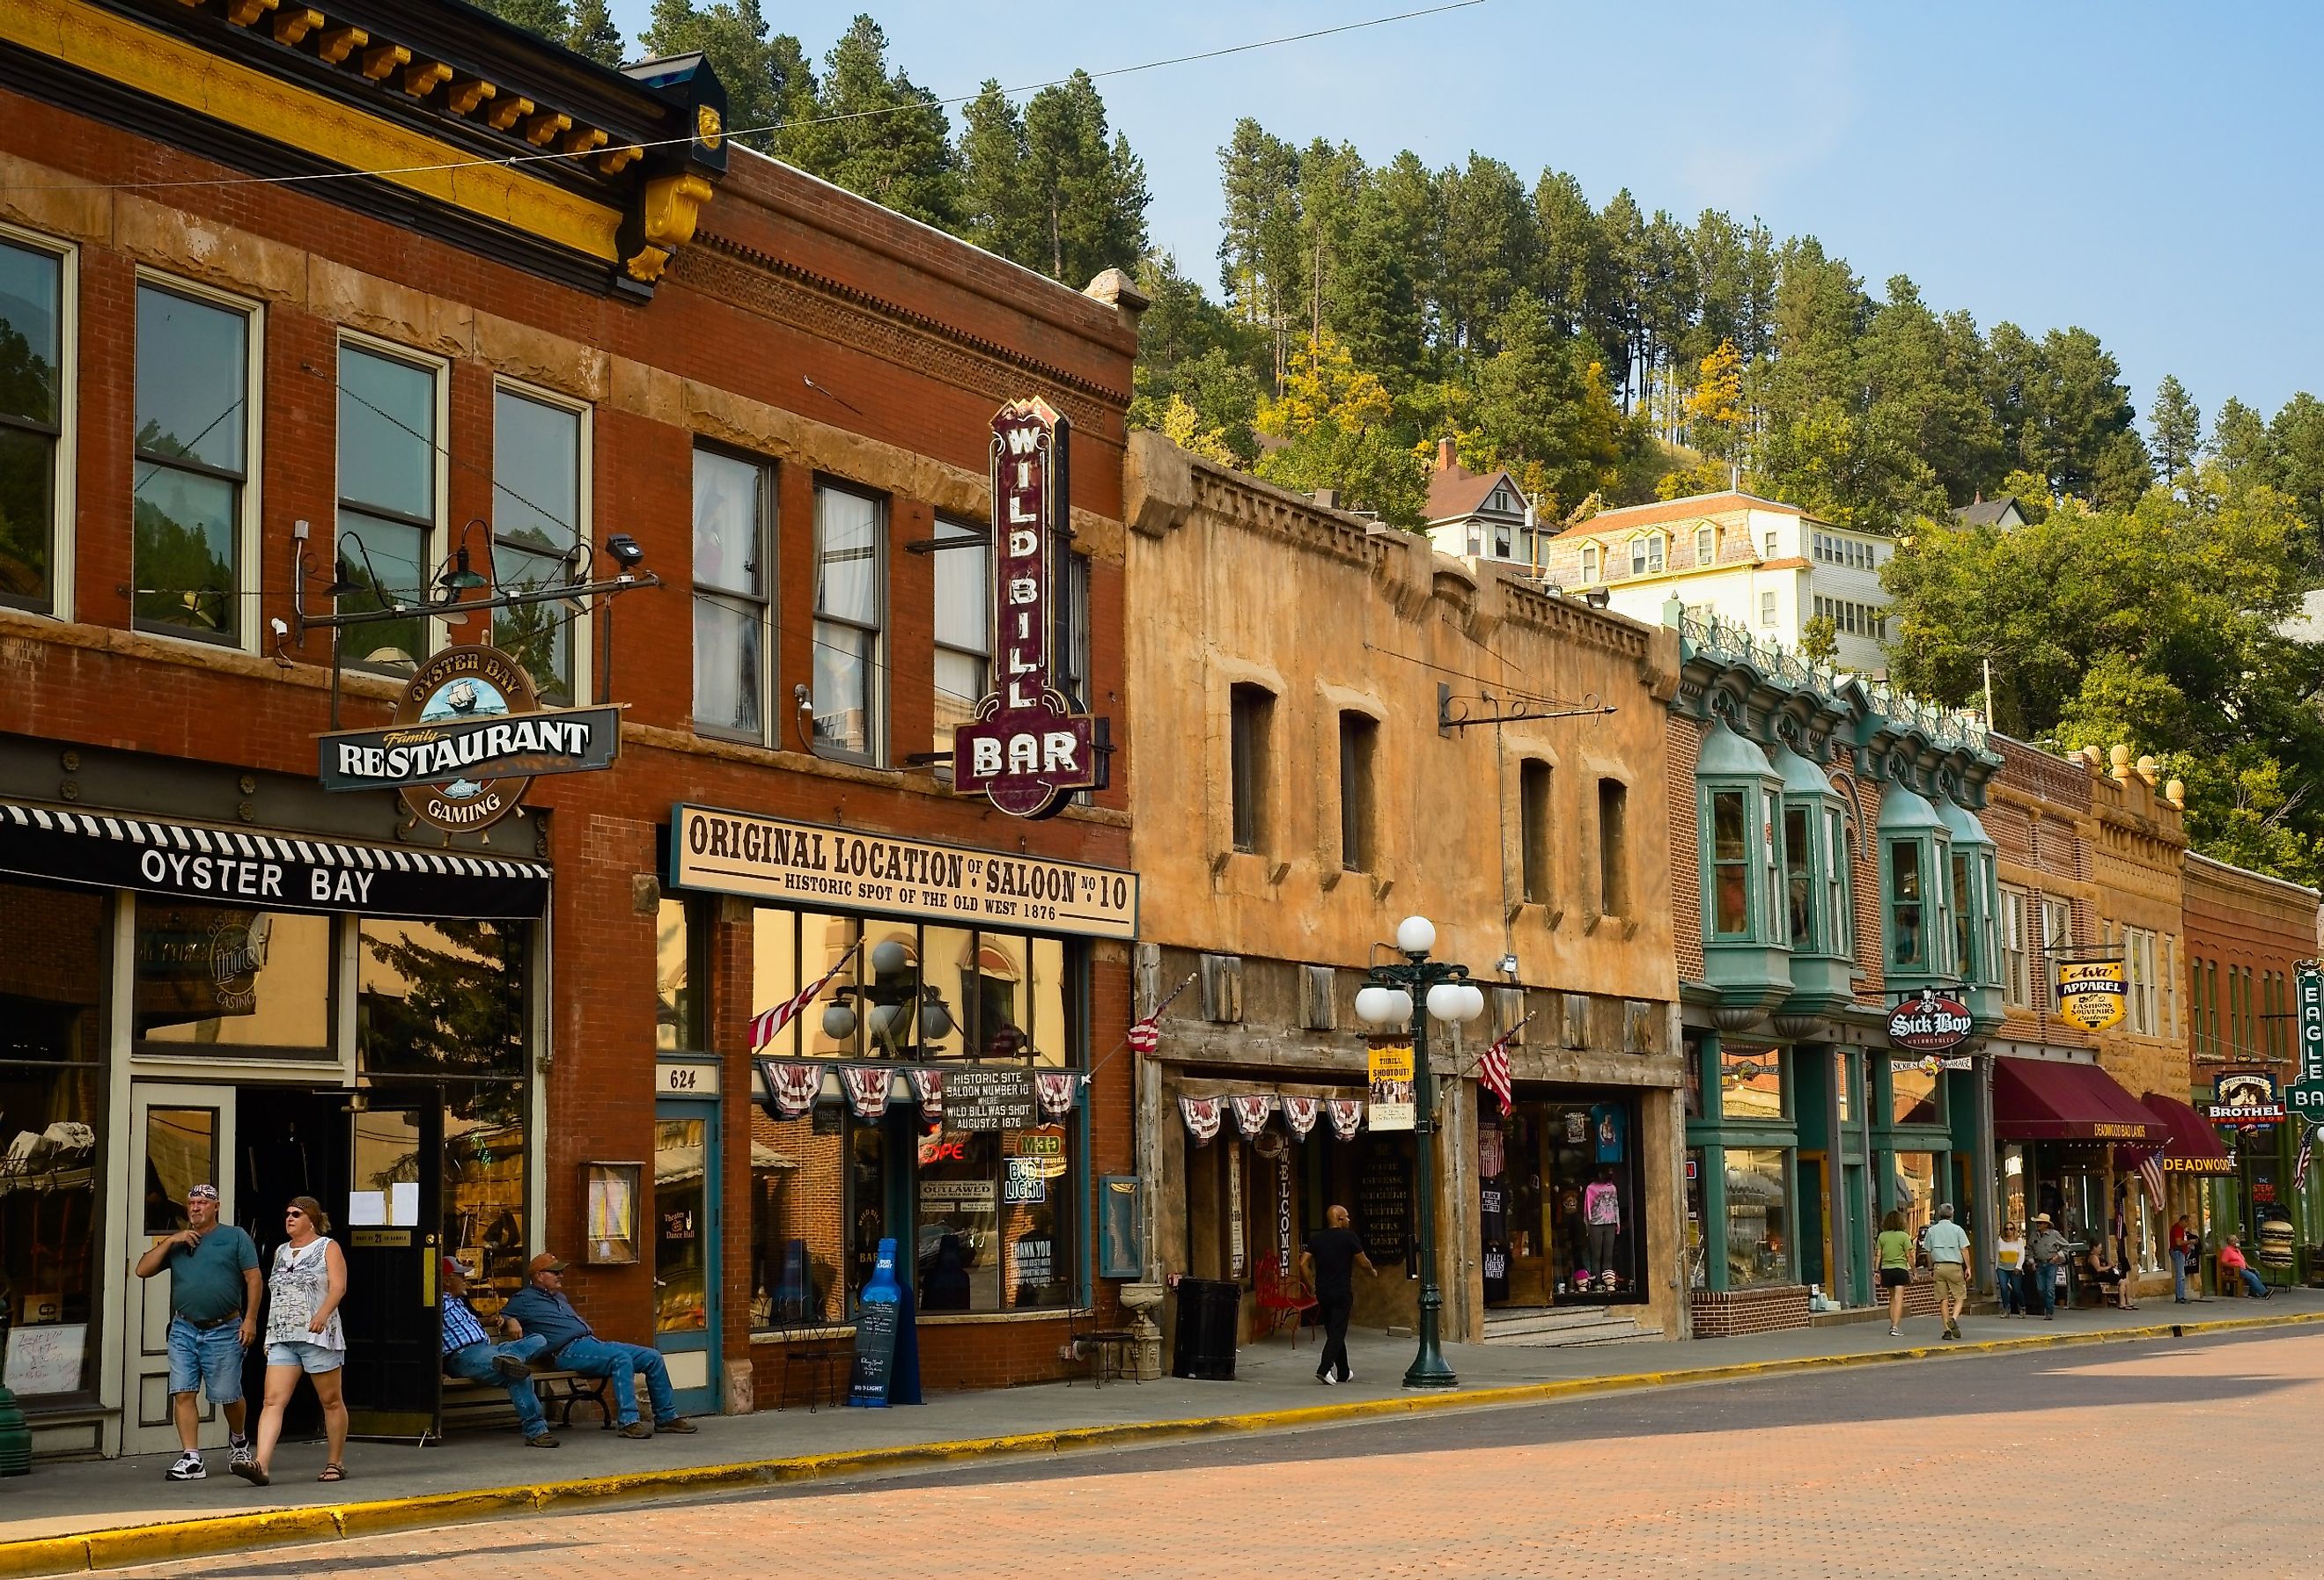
<point x="1938" y="1468"/>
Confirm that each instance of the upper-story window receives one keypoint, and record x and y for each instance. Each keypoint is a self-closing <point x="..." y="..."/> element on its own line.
<point x="2016" y="958"/>
<point x="1251" y="724"/>
<point x="34" y="411"/>
<point x="1767" y="607"/>
<point x="1706" y="546"/>
<point x="1908" y="945"/>
<point x="1533" y="782"/>
<point x="390" y="499"/>
<point x="2143" y="985"/>
<point x="1647" y="555"/>
<point x="1730" y="863"/>
<point x="1916" y="872"/>
<point x="1770" y="552"/>
<point x="1739" y="810"/>
<point x="193" y="515"/>
<point x="733" y="538"/>
<point x="1613" y="847"/>
<point x="851" y="606"/>
<point x="1358" y="749"/>
<point x="539" y="501"/>
<point x="963" y="625"/>
<point x="1590" y="563"/>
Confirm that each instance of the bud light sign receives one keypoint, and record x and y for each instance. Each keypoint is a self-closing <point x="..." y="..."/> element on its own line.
<point x="1929" y="1023"/>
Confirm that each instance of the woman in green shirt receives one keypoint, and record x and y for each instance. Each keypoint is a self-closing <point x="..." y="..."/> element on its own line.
<point x="1895" y="1261"/>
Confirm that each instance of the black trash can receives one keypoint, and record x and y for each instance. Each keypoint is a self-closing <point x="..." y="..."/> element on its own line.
<point x="1209" y="1311"/>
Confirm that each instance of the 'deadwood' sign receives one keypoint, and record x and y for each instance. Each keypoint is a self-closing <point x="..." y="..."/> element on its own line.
<point x="1027" y="750"/>
<point x="468" y="737"/>
<point x="1929" y="1023"/>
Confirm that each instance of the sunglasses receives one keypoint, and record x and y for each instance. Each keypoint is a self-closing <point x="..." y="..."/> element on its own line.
<point x="294" y="1213"/>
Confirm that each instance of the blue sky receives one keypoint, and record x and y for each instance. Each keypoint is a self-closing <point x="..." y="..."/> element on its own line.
<point x="2141" y="170"/>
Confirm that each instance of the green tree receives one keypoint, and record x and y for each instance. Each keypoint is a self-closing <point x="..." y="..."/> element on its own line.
<point x="879" y="133"/>
<point x="2177" y="425"/>
<point x="1088" y="191"/>
<point x="1336" y="422"/>
<point x="1258" y="241"/>
<point x="548" y="18"/>
<point x="1544" y="409"/>
<point x="999" y="210"/>
<point x="767" y="80"/>
<point x="592" y="32"/>
<point x="1488" y="252"/>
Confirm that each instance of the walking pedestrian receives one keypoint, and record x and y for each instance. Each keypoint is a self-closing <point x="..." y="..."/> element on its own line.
<point x="2009" y="1261"/>
<point x="303" y="1335"/>
<point x="213" y="1317"/>
<point x="1328" y="1262"/>
<point x="1947" y="1244"/>
<point x="2186" y="1258"/>
<point x="1895" y="1245"/>
<point x="2045" y="1253"/>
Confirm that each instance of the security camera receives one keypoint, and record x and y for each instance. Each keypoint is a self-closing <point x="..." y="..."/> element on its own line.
<point x="280" y="626"/>
<point x="625" y="549"/>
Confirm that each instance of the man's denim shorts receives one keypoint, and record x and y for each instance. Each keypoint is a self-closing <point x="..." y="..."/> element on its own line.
<point x="207" y="1358"/>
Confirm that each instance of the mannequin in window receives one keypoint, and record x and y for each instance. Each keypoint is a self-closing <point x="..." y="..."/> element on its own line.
<point x="1601" y="1209"/>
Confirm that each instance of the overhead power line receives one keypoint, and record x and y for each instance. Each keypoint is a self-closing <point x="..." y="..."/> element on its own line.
<point x="553" y="156"/>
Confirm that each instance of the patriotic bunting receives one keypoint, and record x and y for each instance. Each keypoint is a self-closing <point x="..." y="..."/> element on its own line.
<point x="1347" y="1113"/>
<point x="927" y="1086"/>
<point x="1251" y="1112"/>
<point x="791" y="1086"/>
<point x="1299" y="1114"/>
<point x="866" y="1085"/>
<point x="1056" y="1089"/>
<point x="1201" y="1115"/>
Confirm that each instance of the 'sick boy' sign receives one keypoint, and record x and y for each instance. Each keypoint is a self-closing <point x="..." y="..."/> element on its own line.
<point x="1025" y="748"/>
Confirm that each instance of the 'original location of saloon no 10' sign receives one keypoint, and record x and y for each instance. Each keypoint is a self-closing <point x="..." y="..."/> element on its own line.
<point x="1027" y="750"/>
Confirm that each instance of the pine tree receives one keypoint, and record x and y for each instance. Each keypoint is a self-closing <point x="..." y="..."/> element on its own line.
<point x="734" y="34"/>
<point x="878" y="134"/>
<point x="1258" y="245"/>
<point x="592" y="32"/>
<point x="1090" y="195"/>
<point x="1489" y="250"/>
<point x="2177" y="425"/>
<point x="548" y="18"/>
<point x="999" y="207"/>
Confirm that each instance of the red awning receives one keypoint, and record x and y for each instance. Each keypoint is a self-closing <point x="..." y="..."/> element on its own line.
<point x="2037" y="1100"/>
<point x="2191" y="1146"/>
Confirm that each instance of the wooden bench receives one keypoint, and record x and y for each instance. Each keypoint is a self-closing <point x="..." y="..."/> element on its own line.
<point x="467" y="1401"/>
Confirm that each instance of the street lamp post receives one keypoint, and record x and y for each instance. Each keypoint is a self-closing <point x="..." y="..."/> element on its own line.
<point x="1406" y="996"/>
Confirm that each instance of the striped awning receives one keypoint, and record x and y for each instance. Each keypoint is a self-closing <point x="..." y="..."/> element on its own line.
<point x="265" y="871"/>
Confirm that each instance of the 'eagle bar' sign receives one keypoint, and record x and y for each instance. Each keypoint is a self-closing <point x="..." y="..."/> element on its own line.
<point x="1027" y="750"/>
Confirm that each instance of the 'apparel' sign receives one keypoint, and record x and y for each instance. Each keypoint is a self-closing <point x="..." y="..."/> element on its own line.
<point x="2092" y="994"/>
<point x="1027" y="750"/>
<point x="469" y="736"/>
<point x="847" y="868"/>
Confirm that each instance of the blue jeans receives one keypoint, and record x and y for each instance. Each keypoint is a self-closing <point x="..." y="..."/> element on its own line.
<point x="2254" y="1285"/>
<point x="2005" y="1285"/>
<point x="613" y="1361"/>
<point x="474" y="1362"/>
<point x="2040" y="1284"/>
<point x="2178" y="1276"/>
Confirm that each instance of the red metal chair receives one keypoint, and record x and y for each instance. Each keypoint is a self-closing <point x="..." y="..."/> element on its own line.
<point x="1283" y="1300"/>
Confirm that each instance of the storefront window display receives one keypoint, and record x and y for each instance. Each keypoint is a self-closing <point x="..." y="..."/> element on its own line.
<point x="1758" y="1200"/>
<point x="52" y="1113"/>
<point x="1914" y="1187"/>
<point x="1913" y="1095"/>
<point x="1567" y="1189"/>
<point x="1750" y="1082"/>
<point x="988" y="1214"/>
<point x="216" y="979"/>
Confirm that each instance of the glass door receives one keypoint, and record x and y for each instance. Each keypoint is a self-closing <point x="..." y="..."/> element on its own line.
<point x="685" y="1250"/>
<point x="179" y="1136"/>
<point x="394" y="1356"/>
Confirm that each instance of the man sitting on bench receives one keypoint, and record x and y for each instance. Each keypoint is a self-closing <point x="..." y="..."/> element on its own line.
<point x="470" y="1353"/>
<point x="544" y="1310"/>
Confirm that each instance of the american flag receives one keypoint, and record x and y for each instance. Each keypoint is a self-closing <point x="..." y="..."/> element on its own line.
<point x="1493" y="1071"/>
<point x="2149" y="1170"/>
<point x="768" y="1024"/>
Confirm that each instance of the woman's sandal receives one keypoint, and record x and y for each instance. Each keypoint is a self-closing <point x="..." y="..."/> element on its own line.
<point x="333" y="1472"/>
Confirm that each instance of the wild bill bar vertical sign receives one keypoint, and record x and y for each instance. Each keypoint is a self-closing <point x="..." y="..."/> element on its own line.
<point x="1027" y="750"/>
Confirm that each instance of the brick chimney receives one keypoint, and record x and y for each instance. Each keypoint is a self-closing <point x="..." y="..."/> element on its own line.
<point x="1444" y="457"/>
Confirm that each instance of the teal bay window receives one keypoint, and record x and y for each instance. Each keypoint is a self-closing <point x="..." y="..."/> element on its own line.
<point x="1816" y="910"/>
<point x="1739" y="806"/>
<point x="1976" y="910"/>
<point x="1916" y="880"/>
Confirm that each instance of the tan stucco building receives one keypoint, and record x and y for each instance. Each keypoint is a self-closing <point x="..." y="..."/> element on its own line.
<point x="1341" y="727"/>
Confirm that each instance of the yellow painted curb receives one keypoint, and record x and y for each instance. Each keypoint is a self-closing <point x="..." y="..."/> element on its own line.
<point x="132" y="1544"/>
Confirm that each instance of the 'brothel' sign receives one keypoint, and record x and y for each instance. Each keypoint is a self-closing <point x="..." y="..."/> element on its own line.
<point x="1025" y="748"/>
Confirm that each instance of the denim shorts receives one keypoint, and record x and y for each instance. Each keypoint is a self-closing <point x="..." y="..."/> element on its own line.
<point x="311" y="1358"/>
<point x="206" y="1358"/>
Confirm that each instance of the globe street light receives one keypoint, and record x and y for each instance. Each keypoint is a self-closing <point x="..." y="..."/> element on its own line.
<point x="1387" y="1000"/>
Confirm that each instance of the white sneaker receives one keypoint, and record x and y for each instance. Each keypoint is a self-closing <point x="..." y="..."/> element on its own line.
<point x="1350" y="1377"/>
<point x="240" y="1452"/>
<point x="188" y="1468"/>
<point x="1326" y="1379"/>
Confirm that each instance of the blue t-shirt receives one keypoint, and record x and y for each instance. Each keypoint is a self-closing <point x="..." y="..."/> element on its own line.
<point x="206" y="1283"/>
<point x="1947" y="1242"/>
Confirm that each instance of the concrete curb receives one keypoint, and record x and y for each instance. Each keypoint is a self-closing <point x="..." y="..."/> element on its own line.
<point x="124" y="1547"/>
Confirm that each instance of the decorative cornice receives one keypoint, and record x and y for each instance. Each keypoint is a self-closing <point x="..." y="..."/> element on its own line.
<point x="741" y="275"/>
<point x="1259" y="507"/>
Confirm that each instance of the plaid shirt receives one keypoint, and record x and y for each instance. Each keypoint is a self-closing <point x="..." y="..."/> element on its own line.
<point x="461" y="1327"/>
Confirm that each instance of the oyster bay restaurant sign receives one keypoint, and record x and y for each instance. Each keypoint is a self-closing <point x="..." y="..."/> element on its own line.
<point x="852" y="869"/>
<point x="1027" y="750"/>
<point x="469" y="736"/>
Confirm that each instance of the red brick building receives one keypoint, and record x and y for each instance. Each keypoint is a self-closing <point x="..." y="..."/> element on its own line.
<point x="240" y="385"/>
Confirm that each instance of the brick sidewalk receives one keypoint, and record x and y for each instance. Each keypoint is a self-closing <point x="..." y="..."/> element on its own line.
<point x="1273" y="1378"/>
